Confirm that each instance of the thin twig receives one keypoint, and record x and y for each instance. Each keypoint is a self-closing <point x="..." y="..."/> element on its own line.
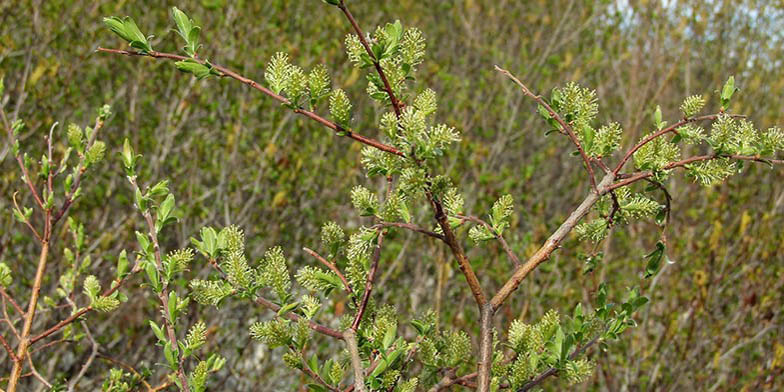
<point x="371" y="278"/>
<point x="662" y="132"/>
<point x="11" y="300"/>
<point x="549" y="372"/>
<point x="396" y="105"/>
<point x="334" y="269"/>
<point x="234" y="75"/>
<point x="412" y="227"/>
<point x="509" y="252"/>
<point x="8" y="349"/>
<point x="566" y="127"/>
<point x="294" y="317"/>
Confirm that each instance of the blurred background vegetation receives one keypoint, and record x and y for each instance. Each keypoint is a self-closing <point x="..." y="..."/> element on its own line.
<point x="715" y="321"/>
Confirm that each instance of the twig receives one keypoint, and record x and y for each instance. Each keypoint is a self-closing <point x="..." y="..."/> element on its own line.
<point x="671" y="128"/>
<point x="22" y="167"/>
<point x="567" y="128"/>
<point x="411" y="227"/>
<point x="227" y="72"/>
<point x="334" y="269"/>
<point x="26" y="221"/>
<point x="509" y="252"/>
<point x="8" y="349"/>
<point x="90" y="359"/>
<point x="73" y="317"/>
<point x="458" y="252"/>
<point x="294" y="317"/>
<point x="306" y="369"/>
<point x="395" y="103"/>
<point x="11" y="300"/>
<point x="369" y="281"/>
<point x="634" y="177"/>
<point x="80" y="169"/>
<point x="163" y="296"/>
<point x="549" y="372"/>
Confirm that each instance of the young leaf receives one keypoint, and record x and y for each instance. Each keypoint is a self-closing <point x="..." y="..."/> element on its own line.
<point x="654" y="260"/>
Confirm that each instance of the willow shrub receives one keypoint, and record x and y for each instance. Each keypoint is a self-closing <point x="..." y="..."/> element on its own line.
<point x="382" y="350"/>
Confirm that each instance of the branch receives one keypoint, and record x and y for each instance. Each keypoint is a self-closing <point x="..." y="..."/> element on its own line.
<point x="552" y="243"/>
<point x="334" y="269"/>
<point x="8" y="349"/>
<point x="458" y="252"/>
<point x="411" y="227"/>
<point x="82" y="311"/>
<point x="305" y="368"/>
<point x="234" y="75"/>
<point x="567" y="128"/>
<point x="79" y="172"/>
<point x="13" y="303"/>
<point x="350" y="336"/>
<point x="294" y="317"/>
<point x="672" y="128"/>
<point x="634" y="177"/>
<point x="509" y="252"/>
<point x="395" y="103"/>
<point x="369" y="282"/>
<point x="549" y="372"/>
<point x="20" y="161"/>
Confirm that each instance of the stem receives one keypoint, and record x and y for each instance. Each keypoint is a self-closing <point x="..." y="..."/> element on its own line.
<point x="369" y="282"/>
<point x="334" y="269"/>
<point x="552" y="243"/>
<point x="509" y="252"/>
<point x="79" y="313"/>
<point x="388" y="87"/>
<point x="566" y="127"/>
<point x="24" y="342"/>
<point x="293" y="317"/>
<point x="411" y="227"/>
<point x="234" y="75"/>
<point x="671" y="128"/>
<point x="350" y="336"/>
<point x="485" y="348"/>
<point x="457" y="251"/>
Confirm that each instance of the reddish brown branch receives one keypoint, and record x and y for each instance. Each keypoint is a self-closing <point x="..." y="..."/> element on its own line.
<point x="234" y="75"/>
<point x="294" y="317"/>
<point x="376" y="63"/>
<point x="411" y="227"/>
<point x="82" y="311"/>
<point x="8" y="349"/>
<point x="369" y="281"/>
<point x="634" y="177"/>
<point x="509" y="252"/>
<point x="12" y="301"/>
<point x="334" y="269"/>
<point x="458" y="252"/>
<point x="566" y="127"/>
<point x="672" y="128"/>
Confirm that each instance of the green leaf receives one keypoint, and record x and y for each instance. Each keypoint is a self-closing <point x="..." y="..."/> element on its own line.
<point x="727" y="91"/>
<point x="158" y="332"/>
<point x="389" y="335"/>
<point x="654" y="260"/>
<point x="186" y="30"/>
<point x="199" y="70"/>
<point x="287" y="308"/>
<point x="126" y="28"/>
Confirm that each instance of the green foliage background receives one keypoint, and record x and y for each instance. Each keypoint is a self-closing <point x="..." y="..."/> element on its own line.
<point x="715" y="319"/>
